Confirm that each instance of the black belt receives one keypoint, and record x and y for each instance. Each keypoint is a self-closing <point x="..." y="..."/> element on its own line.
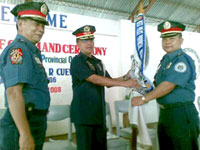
<point x="175" y="105"/>
<point x="31" y="110"/>
<point x="39" y="112"/>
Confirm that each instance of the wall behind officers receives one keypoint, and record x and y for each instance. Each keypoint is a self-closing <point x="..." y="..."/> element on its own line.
<point x="89" y="77"/>
<point x="178" y="126"/>
<point x="27" y="96"/>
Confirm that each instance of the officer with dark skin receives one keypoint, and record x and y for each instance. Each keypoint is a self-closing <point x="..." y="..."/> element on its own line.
<point x="89" y="77"/>
<point x="27" y="96"/>
<point x="178" y="126"/>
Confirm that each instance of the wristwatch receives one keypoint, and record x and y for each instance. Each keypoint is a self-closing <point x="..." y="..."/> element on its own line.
<point x="144" y="99"/>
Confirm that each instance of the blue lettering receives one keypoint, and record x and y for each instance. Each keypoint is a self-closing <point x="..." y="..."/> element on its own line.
<point x="52" y="79"/>
<point x="4" y="13"/>
<point x="63" y="20"/>
<point x="52" y="21"/>
<point x="55" y="20"/>
<point x="51" y="71"/>
<point x="15" y="19"/>
<point x="63" y="71"/>
<point x="70" y="59"/>
<point x="43" y="57"/>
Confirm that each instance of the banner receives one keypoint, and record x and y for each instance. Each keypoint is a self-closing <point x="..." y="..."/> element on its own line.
<point x="58" y="47"/>
<point x="139" y="60"/>
<point x="140" y="40"/>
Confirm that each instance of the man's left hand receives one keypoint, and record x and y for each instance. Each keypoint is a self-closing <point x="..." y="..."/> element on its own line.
<point x="137" y="101"/>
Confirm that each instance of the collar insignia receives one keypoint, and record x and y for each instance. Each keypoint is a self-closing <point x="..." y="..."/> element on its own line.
<point x="99" y="66"/>
<point x="91" y="66"/>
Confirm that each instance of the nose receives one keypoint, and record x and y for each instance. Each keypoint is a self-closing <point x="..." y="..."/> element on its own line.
<point x="41" y="28"/>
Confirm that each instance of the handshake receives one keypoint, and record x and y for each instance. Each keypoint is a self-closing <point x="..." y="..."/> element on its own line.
<point x="139" y="82"/>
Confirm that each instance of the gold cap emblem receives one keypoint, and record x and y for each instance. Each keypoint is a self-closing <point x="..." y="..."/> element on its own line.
<point x="43" y="9"/>
<point x="167" y="25"/>
<point x="86" y="29"/>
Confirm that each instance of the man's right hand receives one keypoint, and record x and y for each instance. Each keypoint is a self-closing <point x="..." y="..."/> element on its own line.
<point x="132" y="83"/>
<point x="16" y="105"/>
<point x="26" y="142"/>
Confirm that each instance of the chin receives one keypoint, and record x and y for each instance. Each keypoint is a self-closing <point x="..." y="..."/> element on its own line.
<point x="168" y="50"/>
<point x="38" y="39"/>
<point x="35" y="41"/>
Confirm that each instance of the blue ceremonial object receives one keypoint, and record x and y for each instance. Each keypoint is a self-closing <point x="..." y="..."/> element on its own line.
<point x="140" y="60"/>
<point x="140" y="40"/>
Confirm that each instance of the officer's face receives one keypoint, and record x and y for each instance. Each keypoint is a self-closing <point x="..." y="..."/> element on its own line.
<point x="171" y="44"/>
<point x="31" y="30"/>
<point x="86" y="46"/>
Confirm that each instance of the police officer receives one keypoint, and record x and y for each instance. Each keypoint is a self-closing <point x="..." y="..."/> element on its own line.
<point x="27" y="96"/>
<point x="89" y="77"/>
<point x="178" y="127"/>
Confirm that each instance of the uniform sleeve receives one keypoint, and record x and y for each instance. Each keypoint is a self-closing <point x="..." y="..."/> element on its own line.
<point x="80" y="69"/>
<point x="179" y="72"/>
<point x="108" y="75"/>
<point x="18" y="67"/>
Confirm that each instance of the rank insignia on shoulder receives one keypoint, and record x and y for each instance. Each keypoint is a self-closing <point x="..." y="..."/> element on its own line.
<point x="91" y="66"/>
<point x="99" y="66"/>
<point x="16" y="56"/>
<point x="180" y="67"/>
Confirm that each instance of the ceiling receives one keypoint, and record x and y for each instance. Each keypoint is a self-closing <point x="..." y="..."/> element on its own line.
<point x="184" y="11"/>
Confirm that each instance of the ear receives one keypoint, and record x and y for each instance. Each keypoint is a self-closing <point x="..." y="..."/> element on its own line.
<point x="182" y="41"/>
<point x="19" y="23"/>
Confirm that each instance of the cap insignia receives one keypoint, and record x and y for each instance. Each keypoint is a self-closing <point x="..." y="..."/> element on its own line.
<point x="86" y="29"/>
<point x="167" y="25"/>
<point x="43" y="9"/>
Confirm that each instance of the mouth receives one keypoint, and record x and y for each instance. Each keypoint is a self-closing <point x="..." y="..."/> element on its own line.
<point x="90" y="47"/>
<point x="168" y="47"/>
<point x="39" y="35"/>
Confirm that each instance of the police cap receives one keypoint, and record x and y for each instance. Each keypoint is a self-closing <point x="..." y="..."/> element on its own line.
<point x="170" y="28"/>
<point x="33" y="10"/>
<point x="85" y="32"/>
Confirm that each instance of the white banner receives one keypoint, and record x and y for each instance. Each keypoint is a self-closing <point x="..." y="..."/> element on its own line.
<point x="58" y="47"/>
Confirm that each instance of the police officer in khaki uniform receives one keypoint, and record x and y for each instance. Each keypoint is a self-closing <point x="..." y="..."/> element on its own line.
<point x="178" y="126"/>
<point x="27" y="96"/>
<point x="89" y="77"/>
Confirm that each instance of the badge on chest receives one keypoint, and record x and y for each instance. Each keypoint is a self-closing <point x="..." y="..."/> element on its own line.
<point x="37" y="60"/>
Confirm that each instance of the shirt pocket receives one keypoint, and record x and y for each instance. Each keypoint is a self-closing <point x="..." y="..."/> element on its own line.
<point x="40" y="78"/>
